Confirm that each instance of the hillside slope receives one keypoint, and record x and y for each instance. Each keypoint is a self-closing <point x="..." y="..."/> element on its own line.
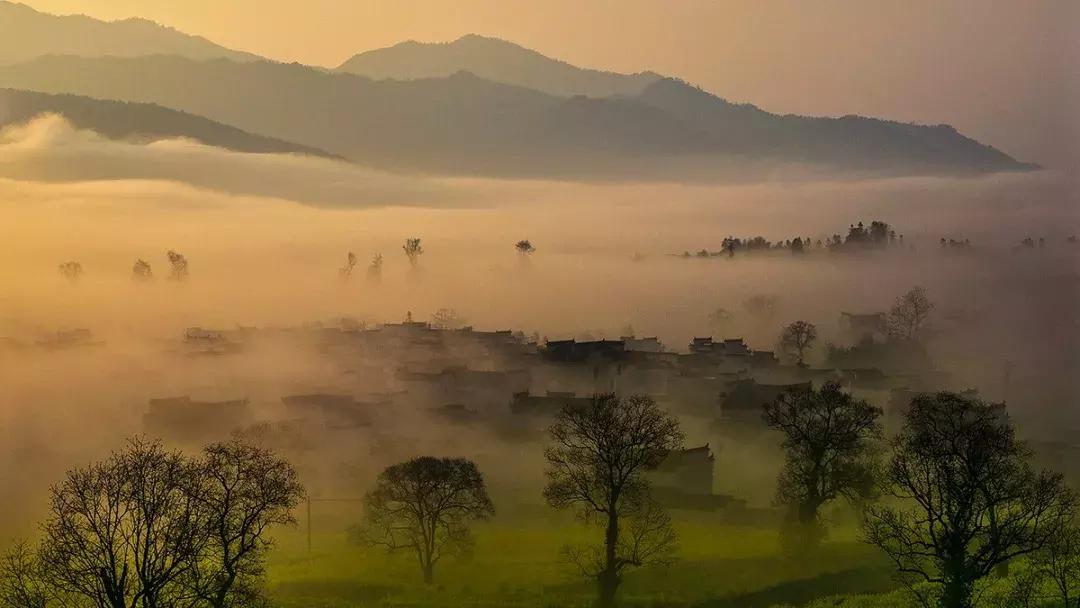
<point x="464" y="124"/>
<point x="493" y="59"/>
<point x="135" y="121"/>
<point x="26" y="34"/>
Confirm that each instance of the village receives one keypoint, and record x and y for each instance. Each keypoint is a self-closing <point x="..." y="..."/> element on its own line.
<point x="469" y="383"/>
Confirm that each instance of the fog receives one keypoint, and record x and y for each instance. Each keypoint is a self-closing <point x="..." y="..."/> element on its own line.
<point x="265" y="236"/>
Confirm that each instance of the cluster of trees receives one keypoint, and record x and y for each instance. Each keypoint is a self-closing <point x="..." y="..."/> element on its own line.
<point x="414" y="250"/>
<point x="859" y="238"/>
<point x="954" y="499"/>
<point x="152" y="528"/>
<point x="904" y="327"/>
<point x="1029" y="243"/>
<point x="597" y="462"/>
<point x="374" y="270"/>
<point x="906" y="324"/>
<point x="732" y="245"/>
<point x="71" y="270"/>
<point x="956" y="244"/>
<point x="950" y="499"/>
<point x="141" y="270"/>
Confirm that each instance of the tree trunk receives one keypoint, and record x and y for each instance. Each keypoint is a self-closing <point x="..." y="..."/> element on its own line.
<point x="956" y="591"/>
<point x="608" y="582"/>
<point x="808" y="511"/>
<point x="608" y="579"/>
<point x="956" y="595"/>
<point x="429" y="573"/>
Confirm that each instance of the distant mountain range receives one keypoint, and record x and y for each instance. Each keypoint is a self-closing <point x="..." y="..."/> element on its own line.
<point x="481" y="106"/>
<point x="137" y="121"/>
<point x="496" y="60"/>
<point x="26" y="34"/>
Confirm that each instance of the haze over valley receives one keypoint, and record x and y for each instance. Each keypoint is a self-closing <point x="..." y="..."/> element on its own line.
<point x="459" y="323"/>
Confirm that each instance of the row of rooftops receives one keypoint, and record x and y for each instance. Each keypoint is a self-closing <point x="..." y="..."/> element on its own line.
<point x="570" y="348"/>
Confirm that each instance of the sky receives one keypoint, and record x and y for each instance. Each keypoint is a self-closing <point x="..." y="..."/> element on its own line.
<point x="1004" y="72"/>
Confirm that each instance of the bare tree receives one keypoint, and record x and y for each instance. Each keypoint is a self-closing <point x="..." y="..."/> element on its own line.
<point x="413" y="250"/>
<point x="23" y="581"/>
<point x="178" y="265"/>
<point x="524" y="248"/>
<point x="152" y="528"/>
<point x="71" y="270"/>
<point x="828" y="450"/>
<point x="244" y="491"/>
<point x="141" y="270"/>
<point x="597" y="461"/>
<point x="425" y="506"/>
<point x="350" y="263"/>
<point x="374" y="271"/>
<point x="1059" y="561"/>
<point x="909" y="315"/>
<point x="122" y="532"/>
<point x="797" y="338"/>
<point x="966" y="499"/>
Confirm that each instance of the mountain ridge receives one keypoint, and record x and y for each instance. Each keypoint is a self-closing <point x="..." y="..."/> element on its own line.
<point x="467" y="125"/>
<point x="493" y="59"/>
<point x="123" y="120"/>
<point x="26" y="33"/>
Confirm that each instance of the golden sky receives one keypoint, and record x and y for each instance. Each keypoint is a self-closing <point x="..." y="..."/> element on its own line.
<point x="1004" y="71"/>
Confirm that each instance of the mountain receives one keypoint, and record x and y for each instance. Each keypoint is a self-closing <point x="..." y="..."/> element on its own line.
<point x="493" y="59"/>
<point x="26" y="33"/>
<point x="135" y="121"/>
<point x="464" y="124"/>
<point x="850" y="141"/>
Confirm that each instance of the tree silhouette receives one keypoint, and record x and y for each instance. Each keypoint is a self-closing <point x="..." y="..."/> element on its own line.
<point x="154" y="528"/>
<point x="23" y="581"/>
<point x="797" y="338"/>
<point x="597" y="461"/>
<point x="178" y="265"/>
<point x="907" y="319"/>
<point x="1059" y="562"/>
<point x="425" y="506"/>
<point x="141" y="270"/>
<point x="243" y="491"/>
<point x="374" y="271"/>
<point x="965" y="498"/>
<point x="71" y="270"/>
<point x="524" y="247"/>
<point x="413" y="250"/>
<point x="124" y="531"/>
<point x="828" y="450"/>
<point x="350" y="262"/>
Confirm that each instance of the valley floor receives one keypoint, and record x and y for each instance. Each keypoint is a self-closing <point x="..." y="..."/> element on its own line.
<point x="517" y="562"/>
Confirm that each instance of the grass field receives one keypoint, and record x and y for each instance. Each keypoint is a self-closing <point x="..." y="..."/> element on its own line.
<point x="516" y="562"/>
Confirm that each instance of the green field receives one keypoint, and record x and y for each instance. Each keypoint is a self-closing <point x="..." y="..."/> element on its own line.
<point x="516" y="562"/>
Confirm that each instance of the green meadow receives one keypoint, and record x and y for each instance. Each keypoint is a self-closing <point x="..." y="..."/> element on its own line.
<point x="516" y="562"/>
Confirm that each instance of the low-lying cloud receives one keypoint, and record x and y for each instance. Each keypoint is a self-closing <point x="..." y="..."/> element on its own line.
<point x="50" y="149"/>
